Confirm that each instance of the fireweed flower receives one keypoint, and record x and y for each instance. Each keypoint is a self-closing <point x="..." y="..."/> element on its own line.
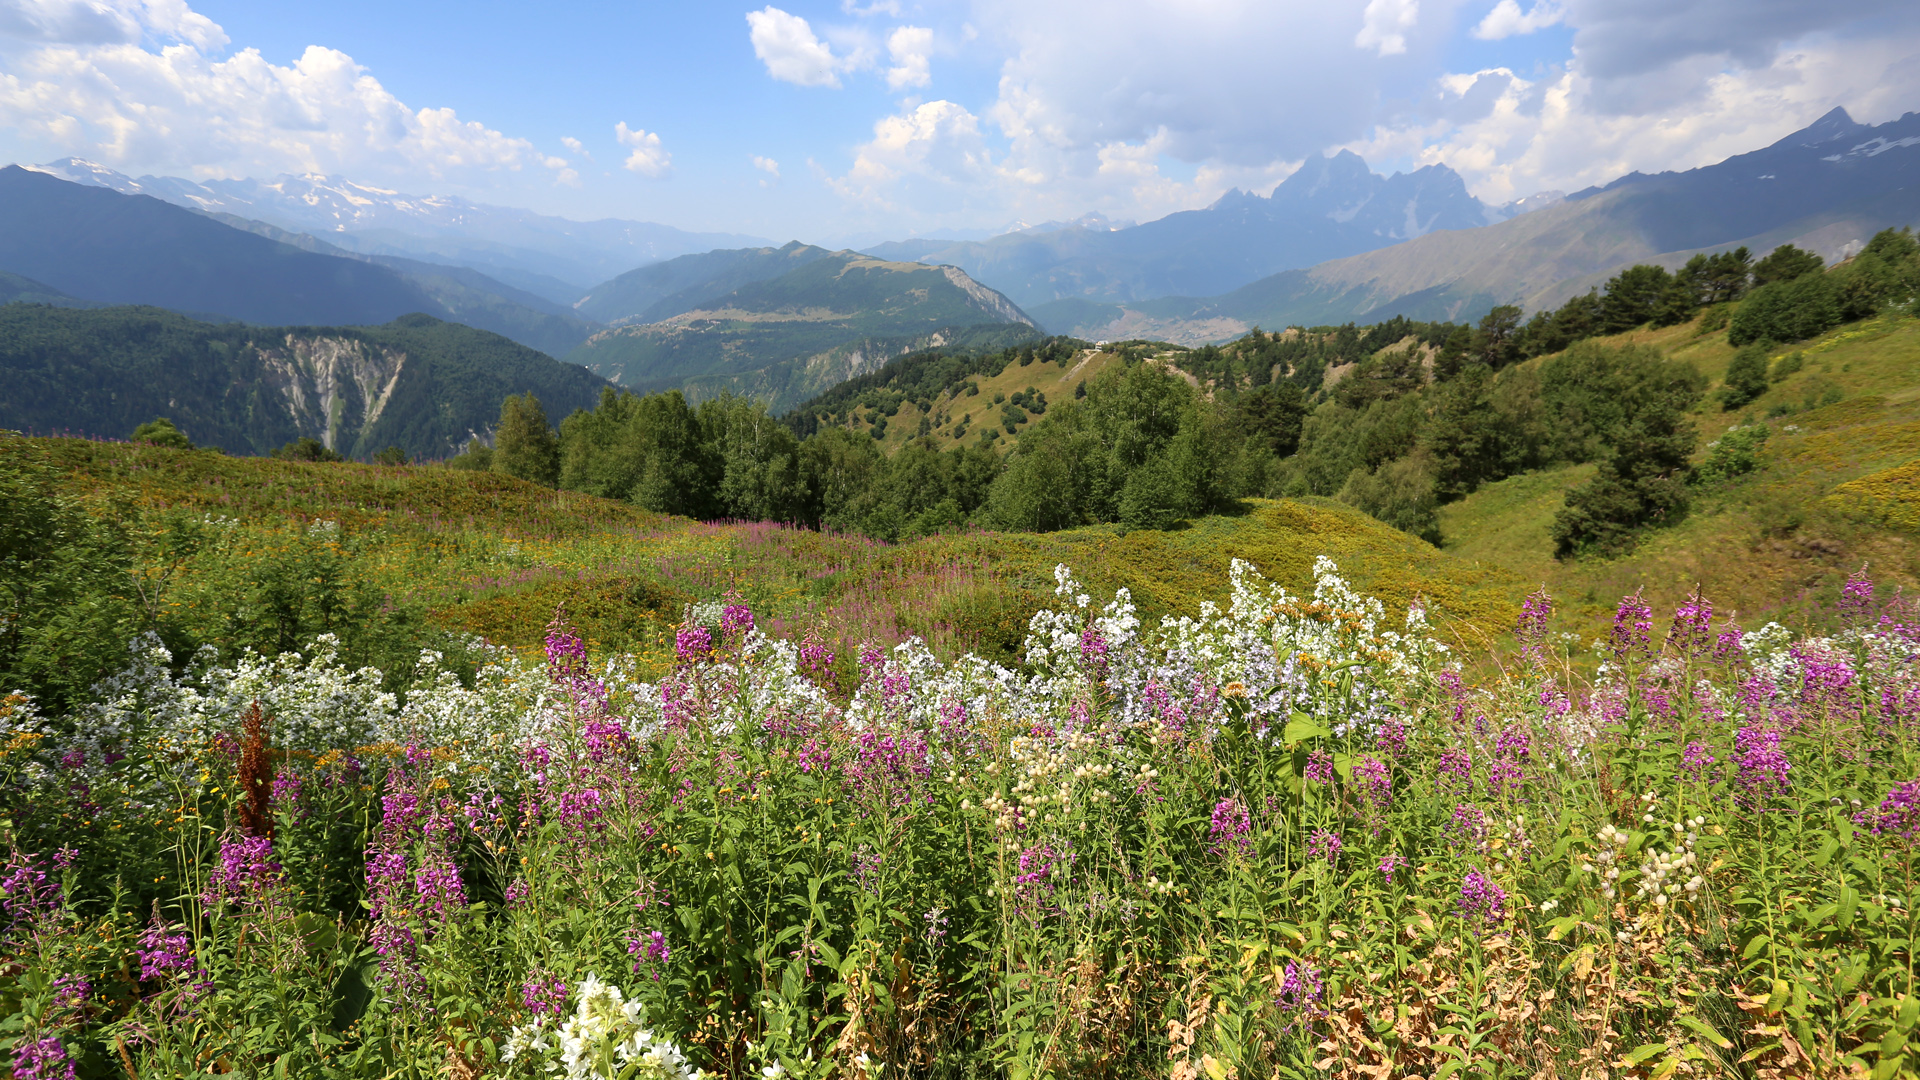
<point x="1531" y="630"/>
<point x="1230" y="827"/>
<point x="1481" y="900"/>
<point x="1301" y="995"/>
<point x="1456" y="772"/>
<point x="1324" y="844"/>
<point x="648" y="950"/>
<point x="692" y="644"/>
<point x="246" y="868"/>
<point x="1511" y="752"/>
<point x="1730" y="645"/>
<point x="162" y="954"/>
<point x="1467" y="828"/>
<point x="1856" y="596"/>
<point x="1632" y="626"/>
<point x="42" y="1059"/>
<point x="1320" y="767"/>
<point x="1390" y="865"/>
<point x="71" y="991"/>
<point x="1690" y="635"/>
<point x="1897" y="816"/>
<point x="1760" y="766"/>
<point x="1697" y="763"/>
<point x="543" y="995"/>
<point x="735" y="621"/>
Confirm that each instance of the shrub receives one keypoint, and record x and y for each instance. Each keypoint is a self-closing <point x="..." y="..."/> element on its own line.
<point x="1746" y="376"/>
<point x="1735" y="453"/>
<point x="161" y="432"/>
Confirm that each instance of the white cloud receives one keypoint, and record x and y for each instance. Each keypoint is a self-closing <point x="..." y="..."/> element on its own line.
<point x="878" y="7"/>
<point x="767" y="165"/>
<point x="910" y="47"/>
<point x="1507" y="20"/>
<point x="573" y="144"/>
<point x="649" y="158"/>
<point x="85" y="78"/>
<point x="1384" y="25"/>
<point x="1511" y="137"/>
<point x="791" y="50"/>
<point x="108" y="22"/>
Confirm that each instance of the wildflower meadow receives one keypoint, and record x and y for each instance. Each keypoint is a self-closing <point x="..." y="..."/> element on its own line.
<point x="1290" y="836"/>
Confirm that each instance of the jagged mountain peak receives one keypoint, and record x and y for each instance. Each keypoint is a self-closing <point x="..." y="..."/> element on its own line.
<point x="1837" y="124"/>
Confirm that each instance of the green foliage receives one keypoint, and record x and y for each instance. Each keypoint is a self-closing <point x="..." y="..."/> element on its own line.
<point x="1788" y="310"/>
<point x="1747" y="376"/>
<point x="1786" y="263"/>
<point x="1789" y="364"/>
<point x="1735" y="453"/>
<point x="1648" y="443"/>
<point x="306" y="448"/>
<point x="524" y="446"/>
<point x="391" y="456"/>
<point x="161" y="432"/>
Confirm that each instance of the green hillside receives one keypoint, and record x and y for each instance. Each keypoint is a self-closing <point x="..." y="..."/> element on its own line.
<point x="666" y="289"/>
<point x="1833" y="487"/>
<point x="486" y="553"/>
<point x="799" y="334"/>
<point x="418" y="383"/>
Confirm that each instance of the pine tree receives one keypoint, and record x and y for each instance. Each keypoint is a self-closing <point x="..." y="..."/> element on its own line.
<point x="524" y="445"/>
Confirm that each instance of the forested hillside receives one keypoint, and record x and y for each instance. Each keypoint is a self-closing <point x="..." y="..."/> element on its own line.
<point x="417" y="383"/>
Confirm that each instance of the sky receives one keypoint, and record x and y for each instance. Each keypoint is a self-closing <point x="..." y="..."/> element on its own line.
<point x="858" y="120"/>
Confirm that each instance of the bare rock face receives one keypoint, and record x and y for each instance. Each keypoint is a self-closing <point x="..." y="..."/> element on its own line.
<point x="333" y="387"/>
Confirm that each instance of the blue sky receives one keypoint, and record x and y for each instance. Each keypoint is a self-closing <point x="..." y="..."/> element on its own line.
<point x="840" y="120"/>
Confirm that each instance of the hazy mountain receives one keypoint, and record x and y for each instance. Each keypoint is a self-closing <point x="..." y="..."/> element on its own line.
<point x="98" y="244"/>
<point x="461" y="294"/>
<point x="550" y="256"/>
<point x="15" y="289"/>
<point x="1329" y="208"/>
<point x="666" y="289"/>
<point x="787" y="338"/>
<point x="418" y="383"/>
<point x="1827" y="188"/>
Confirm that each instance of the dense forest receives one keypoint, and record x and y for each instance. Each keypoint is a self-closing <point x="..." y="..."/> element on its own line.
<point x="1394" y="419"/>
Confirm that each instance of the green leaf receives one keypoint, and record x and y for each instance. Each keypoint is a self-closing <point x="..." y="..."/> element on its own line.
<point x="1645" y="1052"/>
<point x="1301" y="728"/>
<point x="1705" y="1030"/>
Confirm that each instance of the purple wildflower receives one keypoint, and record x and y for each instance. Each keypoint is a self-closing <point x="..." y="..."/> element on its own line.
<point x="1481" y="900"/>
<point x="1390" y="865"/>
<point x="1320" y="767"/>
<point x="1731" y="645"/>
<point x="1511" y="752"/>
<point x="43" y="1059"/>
<point x="517" y="892"/>
<point x="1390" y="738"/>
<point x="1697" y="763"/>
<point x="1690" y="634"/>
<point x="1898" y="815"/>
<point x="1456" y="772"/>
<point x="437" y="885"/>
<point x="650" y="950"/>
<point x="692" y="644"/>
<point x="246" y="867"/>
<point x="544" y="996"/>
<point x="1324" y="844"/>
<point x="162" y="953"/>
<point x="1230" y="827"/>
<point x="1301" y="994"/>
<point x="71" y="991"/>
<point x="1467" y="827"/>
<point x="1375" y="782"/>
<point x="1093" y="651"/>
<point x="1856" y="596"/>
<point x="1632" y="626"/>
<point x="1531" y="630"/>
<point x="735" y="620"/>
<point x="1761" y="767"/>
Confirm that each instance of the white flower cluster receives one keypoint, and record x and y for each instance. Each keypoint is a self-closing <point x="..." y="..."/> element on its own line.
<point x="606" y="1036"/>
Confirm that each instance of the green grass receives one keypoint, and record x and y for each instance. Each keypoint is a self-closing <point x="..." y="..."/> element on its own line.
<point x="497" y="557"/>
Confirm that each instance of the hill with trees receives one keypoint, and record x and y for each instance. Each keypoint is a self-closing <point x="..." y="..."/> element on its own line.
<point x="418" y="383"/>
<point x="787" y="338"/>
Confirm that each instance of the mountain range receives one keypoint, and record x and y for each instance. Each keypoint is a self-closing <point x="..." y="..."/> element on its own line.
<point x="1329" y="208"/>
<point x="548" y="256"/>
<point x="1828" y="188"/>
